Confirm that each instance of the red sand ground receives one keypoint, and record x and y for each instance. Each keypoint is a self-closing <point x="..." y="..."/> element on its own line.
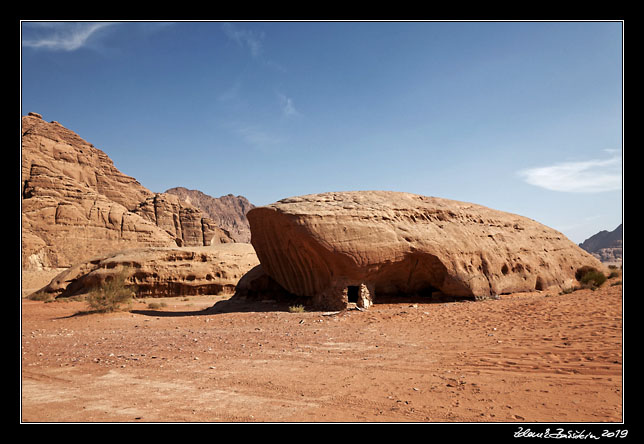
<point x="537" y="357"/>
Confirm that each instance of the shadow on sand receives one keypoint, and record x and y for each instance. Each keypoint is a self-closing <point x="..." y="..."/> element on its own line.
<point x="232" y="305"/>
<point x="242" y="305"/>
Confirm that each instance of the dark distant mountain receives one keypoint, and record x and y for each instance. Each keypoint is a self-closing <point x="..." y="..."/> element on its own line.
<point x="605" y="245"/>
<point x="228" y="212"/>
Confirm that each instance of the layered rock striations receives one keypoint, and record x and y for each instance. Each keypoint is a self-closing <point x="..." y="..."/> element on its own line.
<point x="65" y="153"/>
<point x="64" y="222"/>
<point x="160" y="272"/>
<point x="186" y="224"/>
<point x="353" y="246"/>
<point x="76" y="204"/>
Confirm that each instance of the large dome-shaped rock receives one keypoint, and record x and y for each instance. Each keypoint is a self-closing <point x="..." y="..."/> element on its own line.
<point x="344" y="247"/>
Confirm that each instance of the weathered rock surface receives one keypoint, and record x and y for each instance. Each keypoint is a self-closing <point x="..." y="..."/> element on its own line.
<point x="64" y="222"/>
<point x="333" y="247"/>
<point x="159" y="272"/>
<point x="186" y="224"/>
<point x="76" y="204"/>
<point x="228" y="212"/>
<point x="66" y="154"/>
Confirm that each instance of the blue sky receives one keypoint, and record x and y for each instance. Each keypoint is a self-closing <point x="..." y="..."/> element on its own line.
<point x="524" y="117"/>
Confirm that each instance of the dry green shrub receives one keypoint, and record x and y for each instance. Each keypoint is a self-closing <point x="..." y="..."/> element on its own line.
<point x="613" y="274"/>
<point x="296" y="309"/>
<point x="112" y="294"/>
<point x="590" y="277"/>
<point x="581" y="271"/>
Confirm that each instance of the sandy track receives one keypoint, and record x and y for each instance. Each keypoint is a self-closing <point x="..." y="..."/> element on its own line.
<point x="537" y="357"/>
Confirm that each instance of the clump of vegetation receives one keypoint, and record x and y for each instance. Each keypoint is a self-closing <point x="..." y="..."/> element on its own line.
<point x="593" y="280"/>
<point x="156" y="305"/>
<point x="582" y="271"/>
<point x="615" y="272"/>
<point x="112" y="294"/>
<point x="296" y="309"/>
<point x="590" y="277"/>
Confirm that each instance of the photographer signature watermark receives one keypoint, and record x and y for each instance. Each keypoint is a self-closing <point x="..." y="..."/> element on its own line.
<point x="569" y="434"/>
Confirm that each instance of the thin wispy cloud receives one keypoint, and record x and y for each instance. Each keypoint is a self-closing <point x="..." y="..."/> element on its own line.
<point x="589" y="176"/>
<point x="62" y="36"/>
<point x="287" y="106"/>
<point x="251" y="40"/>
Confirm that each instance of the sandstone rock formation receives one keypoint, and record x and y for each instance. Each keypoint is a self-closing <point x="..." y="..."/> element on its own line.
<point x="605" y="245"/>
<point x="354" y="246"/>
<point x="76" y="204"/>
<point x="64" y="221"/>
<point x="66" y="154"/>
<point x="159" y="272"/>
<point x="228" y="212"/>
<point x="185" y="223"/>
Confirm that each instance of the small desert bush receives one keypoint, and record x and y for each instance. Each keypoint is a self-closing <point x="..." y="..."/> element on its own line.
<point x="111" y="295"/>
<point x="613" y="274"/>
<point x="592" y="279"/>
<point x="582" y="271"/>
<point x="296" y="309"/>
<point x="156" y="305"/>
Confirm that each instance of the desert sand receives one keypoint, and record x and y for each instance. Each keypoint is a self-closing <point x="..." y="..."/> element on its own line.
<point x="526" y="357"/>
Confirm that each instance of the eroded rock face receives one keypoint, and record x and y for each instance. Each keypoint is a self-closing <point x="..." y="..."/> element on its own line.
<point x="76" y="204"/>
<point x="186" y="224"/>
<point x="64" y="221"/>
<point x="352" y="246"/>
<point x="162" y="272"/>
<point x="66" y="154"/>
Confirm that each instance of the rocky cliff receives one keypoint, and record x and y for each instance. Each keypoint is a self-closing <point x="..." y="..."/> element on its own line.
<point x="76" y="203"/>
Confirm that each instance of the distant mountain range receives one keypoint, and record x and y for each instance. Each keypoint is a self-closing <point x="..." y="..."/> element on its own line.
<point x="605" y="245"/>
<point x="228" y="212"/>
